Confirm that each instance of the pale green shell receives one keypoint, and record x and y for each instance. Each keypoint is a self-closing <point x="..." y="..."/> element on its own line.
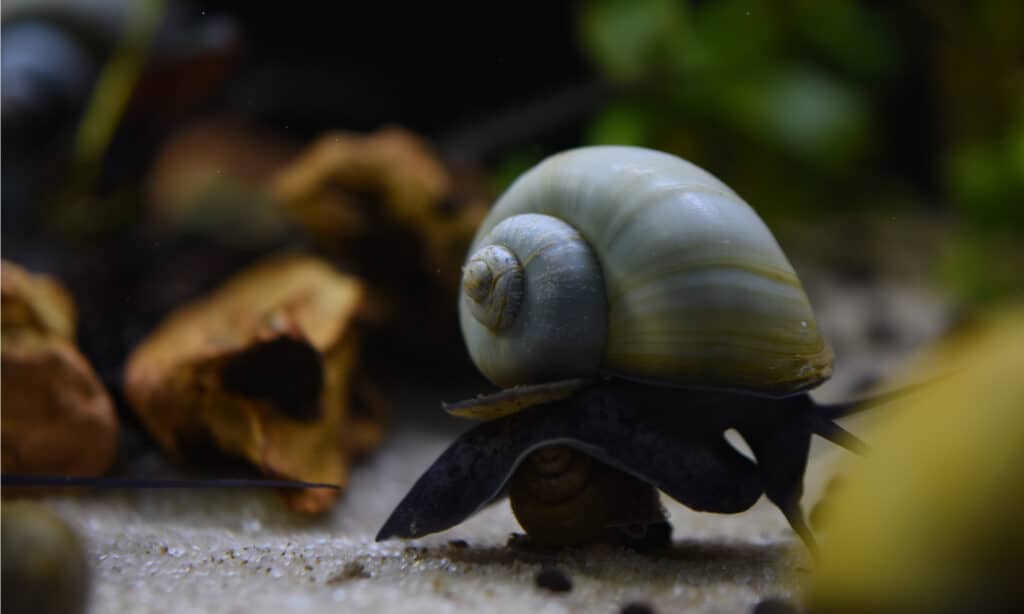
<point x="697" y="291"/>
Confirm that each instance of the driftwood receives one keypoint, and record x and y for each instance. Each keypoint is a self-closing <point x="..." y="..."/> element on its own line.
<point x="263" y="369"/>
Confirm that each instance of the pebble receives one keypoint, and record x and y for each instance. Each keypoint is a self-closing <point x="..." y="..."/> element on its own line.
<point x="45" y="570"/>
<point x="353" y="570"/>
<point x="554" y="580"/>
<point x="636" y="608"/>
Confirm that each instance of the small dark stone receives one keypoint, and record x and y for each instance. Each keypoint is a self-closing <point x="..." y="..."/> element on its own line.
<point x="45" y="569"/>
<point x="774" y="605"/>
<point x="353" y="570"/>
<point x="461" y="544"/>
<point x="554" y="580"/>
<point x="636" y="608"/>
<point x="881" y="332"/>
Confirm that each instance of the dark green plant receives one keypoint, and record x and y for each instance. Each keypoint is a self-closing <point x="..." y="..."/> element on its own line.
<point x="816" y="108"/>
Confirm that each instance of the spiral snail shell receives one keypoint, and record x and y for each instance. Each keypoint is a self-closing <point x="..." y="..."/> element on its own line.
<point x="564" y="497"/>
<point x="637" y="263"/>
<point x="608" y="288"/>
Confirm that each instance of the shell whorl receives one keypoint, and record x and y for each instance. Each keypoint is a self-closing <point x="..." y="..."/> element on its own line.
<point x="533" y="305"/>
<point x="492" y="280"/>
<point x="695" y="290"/>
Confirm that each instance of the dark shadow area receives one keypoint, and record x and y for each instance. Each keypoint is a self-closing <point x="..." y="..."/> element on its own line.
<point x="285" y="372"/>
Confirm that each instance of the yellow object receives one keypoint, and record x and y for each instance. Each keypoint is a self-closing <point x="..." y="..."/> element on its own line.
<point x="929" y="522"/>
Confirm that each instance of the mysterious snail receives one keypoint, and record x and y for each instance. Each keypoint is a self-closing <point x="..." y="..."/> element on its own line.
<point x="634" y="308"/>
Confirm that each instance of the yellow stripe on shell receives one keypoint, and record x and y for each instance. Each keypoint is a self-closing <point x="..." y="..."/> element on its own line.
<point x="790" y="373"/>
<point x="767" y="272"/>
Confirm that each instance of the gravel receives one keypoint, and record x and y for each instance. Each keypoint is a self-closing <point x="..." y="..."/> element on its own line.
<point x="241" y="551"/>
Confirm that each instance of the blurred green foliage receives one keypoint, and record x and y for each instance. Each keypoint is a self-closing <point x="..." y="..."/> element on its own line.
<point x="815" y="108"/>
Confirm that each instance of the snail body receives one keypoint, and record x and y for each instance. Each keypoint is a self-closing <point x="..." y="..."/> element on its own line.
<point x="636" y="263"/>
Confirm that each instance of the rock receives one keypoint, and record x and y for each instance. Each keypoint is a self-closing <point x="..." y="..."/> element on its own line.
<point x="264" y="369"/>
<point x="44" y="565"/>
<point x="57" y="416"/>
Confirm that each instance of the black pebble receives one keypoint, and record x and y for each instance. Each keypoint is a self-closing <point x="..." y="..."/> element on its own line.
<point x="554" y="580"/>
<point x="881" y="332"/>
<point x="636" y="608"/>
<point x="773" y="605"/>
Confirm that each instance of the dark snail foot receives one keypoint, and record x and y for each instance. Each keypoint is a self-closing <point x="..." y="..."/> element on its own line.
<point x="628" y="427"/>
<point x="781" y="449"/>
<point x="671" y="439"/>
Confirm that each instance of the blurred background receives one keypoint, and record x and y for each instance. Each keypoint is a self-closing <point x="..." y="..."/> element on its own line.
<point x="155" y="151"/>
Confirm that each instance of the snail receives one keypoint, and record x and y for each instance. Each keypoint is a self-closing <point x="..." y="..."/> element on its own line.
<point x="633" y="308"/>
